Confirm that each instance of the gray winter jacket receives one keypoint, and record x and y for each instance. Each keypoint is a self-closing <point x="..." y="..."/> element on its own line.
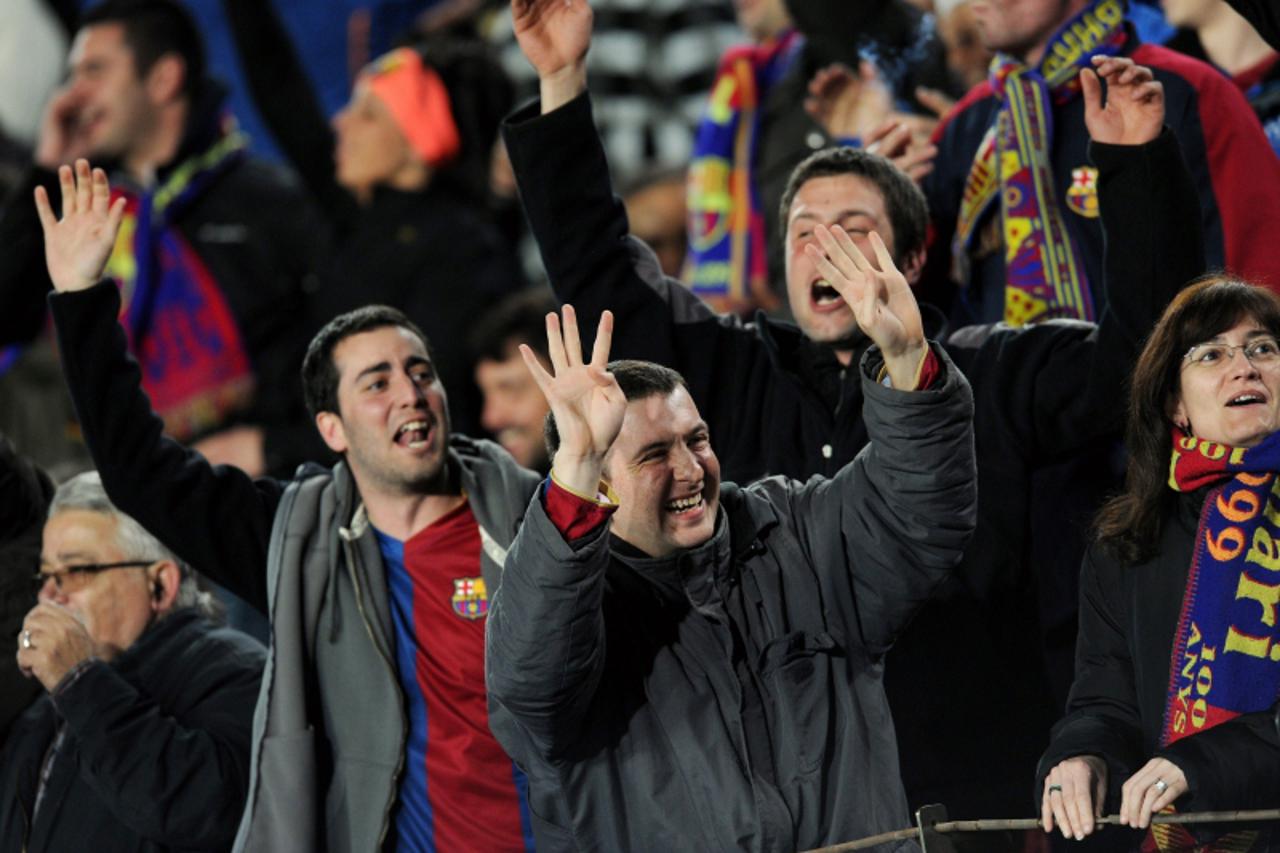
<point x="730" y="698"/>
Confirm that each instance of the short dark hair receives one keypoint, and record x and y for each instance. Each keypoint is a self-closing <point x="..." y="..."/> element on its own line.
<point x="520" y="318"/>
<point x="903" y="200"/>
<point x="153" y="28"/>
<point x="320" y="374"/>
<point x="638" y="381"/>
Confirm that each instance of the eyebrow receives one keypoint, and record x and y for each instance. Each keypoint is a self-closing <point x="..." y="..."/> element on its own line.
<point x="1221" y="337"/>
<point x="385" y="366"/>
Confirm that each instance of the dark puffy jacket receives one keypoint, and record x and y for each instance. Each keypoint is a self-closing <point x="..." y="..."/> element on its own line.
<point x="155" y="754"/>
<point x="777" y="403"/>
<point x="729" y="697"/>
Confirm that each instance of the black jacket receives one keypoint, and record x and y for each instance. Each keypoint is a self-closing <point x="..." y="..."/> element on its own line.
<point x="729" y="697"/>
<point x="777" y="403"/>
<point x="260" y="239"/>
<point x="155" y="754"/>
<point x="1128" y="618"/>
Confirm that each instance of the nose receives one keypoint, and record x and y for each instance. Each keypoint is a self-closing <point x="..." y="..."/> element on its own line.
<point x="493" y="414"/>
<point x="1243" y="365"/>
<point x="685" y="465"/>
<point x="409" y="393"/>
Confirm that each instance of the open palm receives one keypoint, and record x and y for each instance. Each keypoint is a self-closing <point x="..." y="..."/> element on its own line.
<point x="881" y="299"/>
<point x="585" y="399"/>
<point x="77" y="246"/>
<point x="553" y="34"/>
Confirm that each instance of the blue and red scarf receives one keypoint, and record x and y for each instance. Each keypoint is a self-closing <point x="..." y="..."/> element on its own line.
<point x="1044" y="271"/>
<point x="1226" y="651"/>
<point x="194" y="364"/>
<point x="726" y="264"/>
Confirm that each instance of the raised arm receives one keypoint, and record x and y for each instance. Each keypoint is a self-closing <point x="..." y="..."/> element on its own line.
<point x="894" y="521"/>
<point x="1057" y="387"/>
<point x="582" y="232"/>
<point x="287" y="101"/>
<point x="545" y="637"/>
<point x="217" y="519"/>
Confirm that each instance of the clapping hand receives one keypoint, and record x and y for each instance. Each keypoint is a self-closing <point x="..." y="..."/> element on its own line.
<point x="585" y="399"/>
<point x="878" y="295"/>
<point x="1134" y="112"/>
<point x="77" y="246"/>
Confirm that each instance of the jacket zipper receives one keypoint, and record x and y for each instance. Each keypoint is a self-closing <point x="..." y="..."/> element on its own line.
<point x="386" y="658"/>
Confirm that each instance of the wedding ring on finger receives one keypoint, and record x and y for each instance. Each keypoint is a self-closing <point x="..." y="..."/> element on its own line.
<point x="1160" y="786"/>
<point x="1055" y="789"/>
<point x="26" y="640"/>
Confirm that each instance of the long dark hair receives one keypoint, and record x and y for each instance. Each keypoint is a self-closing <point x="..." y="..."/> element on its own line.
<point x="1129" y="524"/>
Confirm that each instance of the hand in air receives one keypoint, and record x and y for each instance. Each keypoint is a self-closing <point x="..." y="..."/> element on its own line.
<point x="1134" y="112"/>
<point x="878" y="295"/>
<point x="584" y="397"/>
<point x="76" y="247"/>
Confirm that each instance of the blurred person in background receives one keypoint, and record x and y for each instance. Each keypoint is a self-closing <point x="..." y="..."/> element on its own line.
<point x="141" y="741"/>
<point x="216" y="248"/>
<point x="514" y="410"/>
<point x="402" y="176"/>
<point x="755" y="129"/>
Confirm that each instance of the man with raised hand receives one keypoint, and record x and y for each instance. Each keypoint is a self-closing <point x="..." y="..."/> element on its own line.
<point x="785" y="398"/>
<point x="679" y="664"/>
<point x="372" y="731"/>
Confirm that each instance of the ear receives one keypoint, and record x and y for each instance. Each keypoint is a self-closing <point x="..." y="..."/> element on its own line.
<point x="913" y="266"/>
<point x="164" y="586"/>
<point x="165" y="79"/>
<point x="1178" y="414"/>
<point x="331" y="430"/>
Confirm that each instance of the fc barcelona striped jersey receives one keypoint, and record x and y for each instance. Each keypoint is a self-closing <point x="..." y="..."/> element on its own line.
<point x="459" y="790"/>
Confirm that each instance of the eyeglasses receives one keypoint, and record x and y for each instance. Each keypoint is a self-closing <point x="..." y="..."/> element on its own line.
<point x="75" y="578"/>
<point x="1261" y="352"/>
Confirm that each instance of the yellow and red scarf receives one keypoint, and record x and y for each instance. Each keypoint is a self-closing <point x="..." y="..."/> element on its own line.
<point x="194" y="364"/>
<point x="726" y="264"/>
<point x="1044" y="271"/>
<point x="1226" y="650"/>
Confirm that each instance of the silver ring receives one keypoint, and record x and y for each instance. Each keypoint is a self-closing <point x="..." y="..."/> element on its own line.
<point x="1055" y="789"/>
<point x="1160" y="786"/>
<point x="26" y="639"/>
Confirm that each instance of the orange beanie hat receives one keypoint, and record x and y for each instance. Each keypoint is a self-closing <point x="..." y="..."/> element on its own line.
<point x="418" y="101"/>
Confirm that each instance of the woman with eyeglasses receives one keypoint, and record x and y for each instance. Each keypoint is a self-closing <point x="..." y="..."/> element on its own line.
<point x="1178" y="656"/>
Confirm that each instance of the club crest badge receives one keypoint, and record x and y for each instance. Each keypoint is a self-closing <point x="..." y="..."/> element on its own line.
<point x="470" y="601"/>
<point x="1082" y="195"/>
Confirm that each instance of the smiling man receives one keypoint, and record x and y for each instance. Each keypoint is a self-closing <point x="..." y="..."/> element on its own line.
<point x="373" y="733"/>
<point x="684" y="665"/>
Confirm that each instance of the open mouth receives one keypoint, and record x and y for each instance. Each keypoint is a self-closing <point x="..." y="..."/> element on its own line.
<point x="414" y="434"/>
<point x="685" y="506"/>
<point x="1246" y="399"/>
<point x="824" y="295"/>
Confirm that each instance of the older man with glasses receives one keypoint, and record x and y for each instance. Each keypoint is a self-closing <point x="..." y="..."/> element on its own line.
<point x="142" y="739"/>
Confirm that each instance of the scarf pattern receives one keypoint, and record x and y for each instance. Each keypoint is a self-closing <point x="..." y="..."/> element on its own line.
<point x="726" y="264"/>
<point x="194" y="364"/>
<point x="1044" y="271"/>
<point x="1226" y="650"/>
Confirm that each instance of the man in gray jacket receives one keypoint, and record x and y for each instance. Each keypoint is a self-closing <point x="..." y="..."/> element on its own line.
<point x="678" y="664"/>
<point x="366" y="736"/>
